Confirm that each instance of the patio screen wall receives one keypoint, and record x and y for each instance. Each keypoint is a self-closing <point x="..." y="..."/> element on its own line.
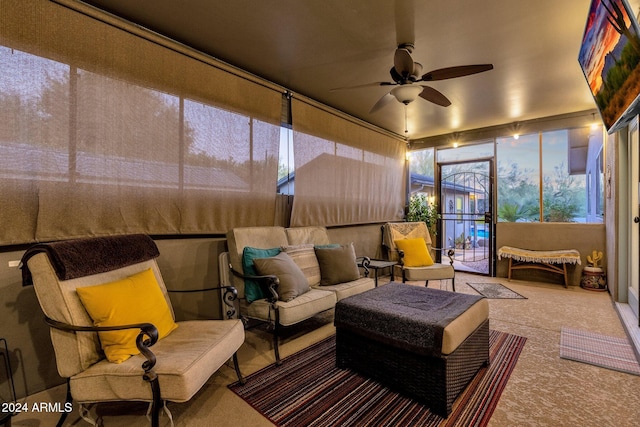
<point x="105" y="130"/>
<point x="346" y="173"/>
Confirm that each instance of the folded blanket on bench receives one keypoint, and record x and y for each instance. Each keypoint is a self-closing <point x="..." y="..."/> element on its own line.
<point x="562" y="256"/>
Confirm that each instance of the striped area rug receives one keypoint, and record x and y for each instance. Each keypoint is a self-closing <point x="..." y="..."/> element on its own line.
<point x="600" y="350"/>
<point x="308" y="390"/>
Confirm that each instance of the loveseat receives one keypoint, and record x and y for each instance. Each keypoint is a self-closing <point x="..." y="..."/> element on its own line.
<point x="285" y="276"/>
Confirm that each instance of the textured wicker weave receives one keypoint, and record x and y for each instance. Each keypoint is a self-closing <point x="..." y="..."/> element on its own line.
<point x="434" y="381"/>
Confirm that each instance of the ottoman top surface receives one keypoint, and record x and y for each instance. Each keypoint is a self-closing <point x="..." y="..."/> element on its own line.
<point x="408" y="316"/>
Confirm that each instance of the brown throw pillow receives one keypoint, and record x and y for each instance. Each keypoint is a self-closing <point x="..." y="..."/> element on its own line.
<point x="292" y="280"/>
<point x="337" y="265"/>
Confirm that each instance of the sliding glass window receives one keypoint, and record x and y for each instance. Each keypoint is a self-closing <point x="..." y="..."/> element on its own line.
<point x="553" y="176"/>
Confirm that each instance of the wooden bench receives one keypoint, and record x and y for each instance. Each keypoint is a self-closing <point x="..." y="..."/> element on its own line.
<point x="553" y="261"/>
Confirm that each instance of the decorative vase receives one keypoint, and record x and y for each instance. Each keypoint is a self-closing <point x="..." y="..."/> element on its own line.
<point x="593" y="279"/>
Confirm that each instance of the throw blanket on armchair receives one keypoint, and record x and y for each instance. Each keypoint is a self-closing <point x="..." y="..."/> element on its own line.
<point x="84" y="257"/>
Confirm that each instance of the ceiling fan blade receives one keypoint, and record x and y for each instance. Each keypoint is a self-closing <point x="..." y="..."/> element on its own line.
<point x="404" y="17"/>
<point x="387" y="98"/>
<point x="453" y="72"/>
<point x="403" y="63"/>
<point x="432" y="95"/>
<point x="417" y="70"/>
<point x="374" y="84"/>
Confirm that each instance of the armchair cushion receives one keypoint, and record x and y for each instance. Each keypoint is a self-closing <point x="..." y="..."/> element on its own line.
<point x="291" y="278"/>
<point x="337" y="264"/>
<point x="135" y="299"/>
<point x="253" y="289"/>
<point x="415" y="251"/>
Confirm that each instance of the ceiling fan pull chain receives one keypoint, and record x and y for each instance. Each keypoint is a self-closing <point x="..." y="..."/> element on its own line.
<point x="406" y="131"/>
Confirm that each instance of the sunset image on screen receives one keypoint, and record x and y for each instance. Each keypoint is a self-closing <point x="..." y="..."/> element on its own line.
<point x="609" y="58"/>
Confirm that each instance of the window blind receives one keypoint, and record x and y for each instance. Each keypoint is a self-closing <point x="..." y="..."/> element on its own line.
<point x="345" y="173"/>
<point x="103" y="131"/>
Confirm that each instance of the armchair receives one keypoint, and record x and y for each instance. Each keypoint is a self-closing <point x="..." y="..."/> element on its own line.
<point x="158" y="368"/>
<point x="392" y="232"/>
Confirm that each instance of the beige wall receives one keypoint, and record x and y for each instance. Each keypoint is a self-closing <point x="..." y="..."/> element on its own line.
<point x="550" y="236"/>
<point x="25" y="331"/>
<point x="615" y="201"/>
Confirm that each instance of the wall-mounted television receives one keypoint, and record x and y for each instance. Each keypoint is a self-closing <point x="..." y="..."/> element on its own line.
<point x="610" y="58"/>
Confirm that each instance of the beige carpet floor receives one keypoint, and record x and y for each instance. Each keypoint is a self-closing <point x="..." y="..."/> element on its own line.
<point x="543" y="390"/>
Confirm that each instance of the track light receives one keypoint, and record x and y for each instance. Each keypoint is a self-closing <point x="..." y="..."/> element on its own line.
<point x="516" y="130"/>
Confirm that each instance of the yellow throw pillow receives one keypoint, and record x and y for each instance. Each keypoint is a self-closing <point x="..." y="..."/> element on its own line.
<point x="136" y="299"/>
<point x="415" y="251"/>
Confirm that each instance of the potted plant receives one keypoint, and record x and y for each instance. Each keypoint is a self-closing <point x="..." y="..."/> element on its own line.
<point x="421" y="210"/>
<point x="593" y="277"/>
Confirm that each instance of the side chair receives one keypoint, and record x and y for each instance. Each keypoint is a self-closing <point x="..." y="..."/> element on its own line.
<point x="395" y="233"/>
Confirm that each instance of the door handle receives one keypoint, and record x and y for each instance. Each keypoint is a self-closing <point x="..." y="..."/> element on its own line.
<point x="636" y="220"/>
<point x="487" y="217"/>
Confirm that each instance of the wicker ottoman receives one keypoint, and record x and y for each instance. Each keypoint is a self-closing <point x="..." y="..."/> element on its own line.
<point x="424" y="343"/>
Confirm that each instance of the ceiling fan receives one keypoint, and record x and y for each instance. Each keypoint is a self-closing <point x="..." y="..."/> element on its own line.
<point x="407" y="74"/>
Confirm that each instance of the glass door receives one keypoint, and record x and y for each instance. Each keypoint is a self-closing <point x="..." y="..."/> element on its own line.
<point x="467" y="224"/>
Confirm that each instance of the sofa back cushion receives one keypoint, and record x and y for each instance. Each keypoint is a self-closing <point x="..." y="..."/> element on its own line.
<point x="304" y="235"/>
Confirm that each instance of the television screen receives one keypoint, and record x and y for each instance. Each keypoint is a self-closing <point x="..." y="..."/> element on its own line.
<point x="609" y="57"/>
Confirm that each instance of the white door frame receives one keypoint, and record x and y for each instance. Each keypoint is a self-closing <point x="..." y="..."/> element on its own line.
<point x="633" y="265"/>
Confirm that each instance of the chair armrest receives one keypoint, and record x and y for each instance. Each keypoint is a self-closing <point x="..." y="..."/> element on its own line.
<point x="146" y="330"/>
<point x="272" y="282"/>
<point x="229" y="296"/>
<point x="364" y="261"/>
<point x="400" y="257"/>
<point x="449" y="253"/>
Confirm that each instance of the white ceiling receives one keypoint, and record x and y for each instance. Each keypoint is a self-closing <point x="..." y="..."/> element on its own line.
<point x="312" y="46"/>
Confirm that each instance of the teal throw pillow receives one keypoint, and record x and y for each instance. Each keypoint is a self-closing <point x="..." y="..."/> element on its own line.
<point x="327" y="246"/>
<point x="254" y="289"/>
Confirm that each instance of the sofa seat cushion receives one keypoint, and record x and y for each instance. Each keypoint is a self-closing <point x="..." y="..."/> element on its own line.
<point x="354" y="287"/>
<point x="185" y="359"/>
<point x="291" y="312"/>
<point x="433" y="272"/>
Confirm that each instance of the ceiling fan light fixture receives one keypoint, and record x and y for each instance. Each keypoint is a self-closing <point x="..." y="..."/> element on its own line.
<point x="406" y="93"/>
